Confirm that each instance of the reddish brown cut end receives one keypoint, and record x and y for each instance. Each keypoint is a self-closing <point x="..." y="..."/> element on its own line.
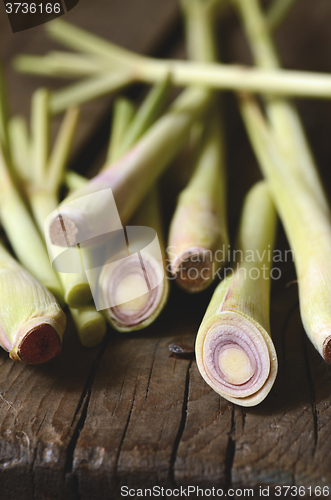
<point x="40" y="345"/>
<point x="327" y="349"/>
<point x="195" y="271"/>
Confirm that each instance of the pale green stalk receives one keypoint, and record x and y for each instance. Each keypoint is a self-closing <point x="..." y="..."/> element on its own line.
<point x="66" y="64"/>
<point x="40" y="133"/>
<point x="31" y="321"/>
<point x="129" y="67"/>
<point x="146" y="115"/>
<point x="4" y="115"/>
<point x="61" y="150"/>
<point x="234" y="351"/>
<point x="74" y="181"/>
<point x="90" y="324"/>
<point x="306" y="223"/>
<point x="89" y="89"/>
<point x="123" y="113"/>
<point x="19" y="135"/>
<point x="43" y="190"/>
<point x="199" y="228"/>
<point x="43" y="197"/>
<point x="283" y="115"/>
<point x="23" y="234"/>
<point x="132" y="176"/>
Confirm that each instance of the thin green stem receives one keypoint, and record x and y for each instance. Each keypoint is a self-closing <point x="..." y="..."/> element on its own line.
<point x="82" y="41"/>
<point x="283" y="116"/>
<point x="23" y="234"/>
<point x="4" y="115"/>
<point x="146" y="115"/>
<point x="133" y="67"/>
<point x="123" y="113"/>
<point x="200" y="40"/>
<point x="88" y="89"/>
<point x="61" y="150"/>
<point x="62" y="64"/>
<point x="40" y="134"/>
<point x="74" y="181"/>
<point x="20" y="146"/>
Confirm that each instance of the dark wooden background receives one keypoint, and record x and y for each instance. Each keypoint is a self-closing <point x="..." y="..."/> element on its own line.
<point x="126" y="412"/>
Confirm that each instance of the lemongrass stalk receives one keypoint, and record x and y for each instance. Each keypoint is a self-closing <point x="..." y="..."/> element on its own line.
<point x="74" y="181"/>
<point x="199" y="228"/>
<point x="277" y="12"/>
<point x="283" y="115"/>
<point x="117" y="282"/>
<point x="123" y="114"/>
<point x="43" y="191"/>
<point x="234" y="351"/>
<point x="61" y="150"/>
<point x="23" y="234"/>
<point x="146" y="115"/>
<point x="78" y="39"/>
<point x="67" y="64"/>
<point x="89" y="89"/>
<point x="40" y="132"/>
<point x="307" y="226"/>
<point x="31" y="320"/>
<point x="90" y="324"/>
<point x="4" y="114"/>
<point x="132" y="67"/>
<point x="132" y="176"/>
<point x="281" y="82"/>
<point x="19" y="135"/>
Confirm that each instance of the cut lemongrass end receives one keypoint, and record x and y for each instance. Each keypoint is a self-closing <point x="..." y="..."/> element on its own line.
<point x="193" y="269"/>
<point x="234" y="351"/>
<point x="39" y="344"/>
<point x="199" y="227"/>
<point x="235" y="359"/>
<point x="31" y="320"/>
<point x="138" y="301"/>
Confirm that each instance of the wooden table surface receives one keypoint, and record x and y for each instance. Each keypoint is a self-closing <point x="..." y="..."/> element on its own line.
<point x="127" y="413"/>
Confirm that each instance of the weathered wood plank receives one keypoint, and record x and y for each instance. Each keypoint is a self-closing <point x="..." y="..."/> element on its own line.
<point x="203" y="454"/>
<point x="39" y="409"/>
<point x="135" y="412"/>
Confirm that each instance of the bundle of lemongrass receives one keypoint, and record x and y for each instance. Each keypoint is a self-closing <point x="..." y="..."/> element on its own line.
<point x="234" y="350"/>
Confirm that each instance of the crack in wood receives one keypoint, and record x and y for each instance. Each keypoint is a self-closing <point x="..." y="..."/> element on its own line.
<point x="151" y="370"/>
<point x="125" y="430"/>
<point x="230" y="451"/>
<point x="181" y="426"/>
<point x="311" y="391"/>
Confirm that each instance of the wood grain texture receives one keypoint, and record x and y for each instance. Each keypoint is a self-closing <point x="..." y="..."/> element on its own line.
<point x="127" y="413"/>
